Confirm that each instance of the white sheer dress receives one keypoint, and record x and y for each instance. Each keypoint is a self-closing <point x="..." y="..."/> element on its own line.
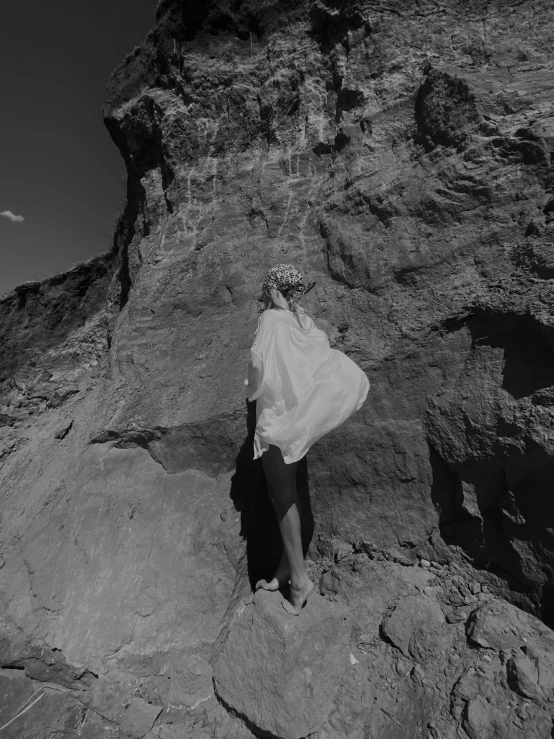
<point x="303" y="388"/>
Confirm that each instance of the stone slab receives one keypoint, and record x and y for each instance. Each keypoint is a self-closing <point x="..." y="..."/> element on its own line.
<point x="417" y="628"/>
<point x="498" y="625"/>
<point x="282" y="672"/>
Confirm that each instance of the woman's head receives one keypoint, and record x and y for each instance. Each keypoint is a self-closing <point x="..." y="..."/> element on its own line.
<point x="282" y="284"/>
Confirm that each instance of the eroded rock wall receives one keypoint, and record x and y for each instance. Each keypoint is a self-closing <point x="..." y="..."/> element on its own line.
<point x="403" y="158"/>
<point x="401" y="155"/>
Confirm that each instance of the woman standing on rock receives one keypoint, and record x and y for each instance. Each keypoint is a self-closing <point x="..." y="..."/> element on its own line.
<point x="303" y="389"/>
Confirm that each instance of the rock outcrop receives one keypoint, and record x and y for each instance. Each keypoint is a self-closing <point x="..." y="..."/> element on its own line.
<point x="401" y="155"/>
<point x="282" y="674"/>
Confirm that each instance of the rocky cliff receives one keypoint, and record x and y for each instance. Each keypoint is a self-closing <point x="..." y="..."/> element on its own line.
<point x="400" y="154"/>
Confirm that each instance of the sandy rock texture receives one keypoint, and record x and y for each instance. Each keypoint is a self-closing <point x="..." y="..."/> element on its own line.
<point x="283" y="673"/>
<point x="400" y="154"/>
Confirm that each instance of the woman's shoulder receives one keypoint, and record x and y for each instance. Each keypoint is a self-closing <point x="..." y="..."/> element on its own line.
<point x="268" y="321"/>
<point x="273" y="317"/>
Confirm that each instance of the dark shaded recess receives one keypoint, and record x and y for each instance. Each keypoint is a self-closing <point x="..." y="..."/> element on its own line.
<point x="512" y="491"/>
<point x="443" y="488"/>
<point x="445" y="107"/>
<point x="37" y="316"/>
<point x="183" y="17"/>
<point x="514" y="503"/>
<point x="350" y="99"/>
<point x="528" y="350"/>
<point x="294" y="106"/>
<point x="410" y="276"/>
<point x="242" y="28"/>
<point x="328" y="29"/>
<point x="483" y="539"/>
<point x="547" y="605"/>
<point x="267" y="116"/>
<point x="528" y="346"/>
<point x="250" y="497"/>
<point x="533" y="229"/>
<point x="322" y="148"/>
<point x="341" y="140"/>
<point x="139" y="138"/>
<point x="492" y="549"/>
<point x="126" y="231"/>
<point x="136" y="196"/>
<point x="455" y="323"/>
<point x="536" y="257"/>
<point x="347" y="100"/>
<point x="525" y="147"/>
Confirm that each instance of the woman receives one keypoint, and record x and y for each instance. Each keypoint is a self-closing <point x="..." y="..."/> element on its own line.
<point x="302" y="389"/>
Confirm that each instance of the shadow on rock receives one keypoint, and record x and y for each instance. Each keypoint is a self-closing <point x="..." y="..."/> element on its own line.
<point x="250" y="496"/>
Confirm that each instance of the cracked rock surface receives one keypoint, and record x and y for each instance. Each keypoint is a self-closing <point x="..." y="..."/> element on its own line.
<point x="400" y="154"/>
<point x="283" y="673"/>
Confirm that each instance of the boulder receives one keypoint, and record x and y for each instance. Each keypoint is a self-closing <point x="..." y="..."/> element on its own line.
<point x="482" y="720"/>
<point x="498" y="625"/>
<point x="279" y="672"/>
<point x="417" y="628"/>
<point x="523" y="676"/>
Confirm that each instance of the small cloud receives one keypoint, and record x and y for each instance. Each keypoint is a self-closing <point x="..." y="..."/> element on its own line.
<point x="11" y="216"/>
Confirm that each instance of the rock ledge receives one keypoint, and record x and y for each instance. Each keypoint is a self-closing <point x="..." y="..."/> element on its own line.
<point x="281" y="672"/>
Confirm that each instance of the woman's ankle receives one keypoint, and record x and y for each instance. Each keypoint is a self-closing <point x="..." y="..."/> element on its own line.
<point x="299" y="583"/>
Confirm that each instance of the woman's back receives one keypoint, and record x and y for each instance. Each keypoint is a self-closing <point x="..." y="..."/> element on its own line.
<point x="303" y="388"/>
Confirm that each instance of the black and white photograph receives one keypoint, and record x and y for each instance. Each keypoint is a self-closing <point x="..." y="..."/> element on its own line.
<point x="277" y="369"/>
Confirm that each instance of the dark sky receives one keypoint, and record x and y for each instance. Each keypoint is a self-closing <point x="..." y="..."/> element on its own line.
<point x="59" y="169"/>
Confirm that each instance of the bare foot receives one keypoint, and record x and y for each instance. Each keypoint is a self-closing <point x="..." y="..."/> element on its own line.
<point x="281" y="577"/>
<point x="298" y="598"/>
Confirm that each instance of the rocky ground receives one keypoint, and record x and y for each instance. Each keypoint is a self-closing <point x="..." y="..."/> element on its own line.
<point x="401" y="155"/>
<point x="386" y="649"/>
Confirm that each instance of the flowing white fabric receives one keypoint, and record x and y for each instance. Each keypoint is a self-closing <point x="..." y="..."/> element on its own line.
<point x="303" y="388"/>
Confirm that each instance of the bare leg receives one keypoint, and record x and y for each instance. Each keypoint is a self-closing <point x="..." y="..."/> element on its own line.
<point x="282" y="485"/>
<point x="282" y="574"/>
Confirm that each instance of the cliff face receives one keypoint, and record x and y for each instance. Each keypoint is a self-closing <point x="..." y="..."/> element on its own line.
<point x="401" y="155"/>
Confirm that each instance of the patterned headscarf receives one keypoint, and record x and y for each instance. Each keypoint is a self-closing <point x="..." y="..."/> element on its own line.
<point x="287" y="279"/>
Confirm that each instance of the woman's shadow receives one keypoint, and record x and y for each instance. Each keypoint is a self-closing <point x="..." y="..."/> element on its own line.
<point x="258" y="519"/>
